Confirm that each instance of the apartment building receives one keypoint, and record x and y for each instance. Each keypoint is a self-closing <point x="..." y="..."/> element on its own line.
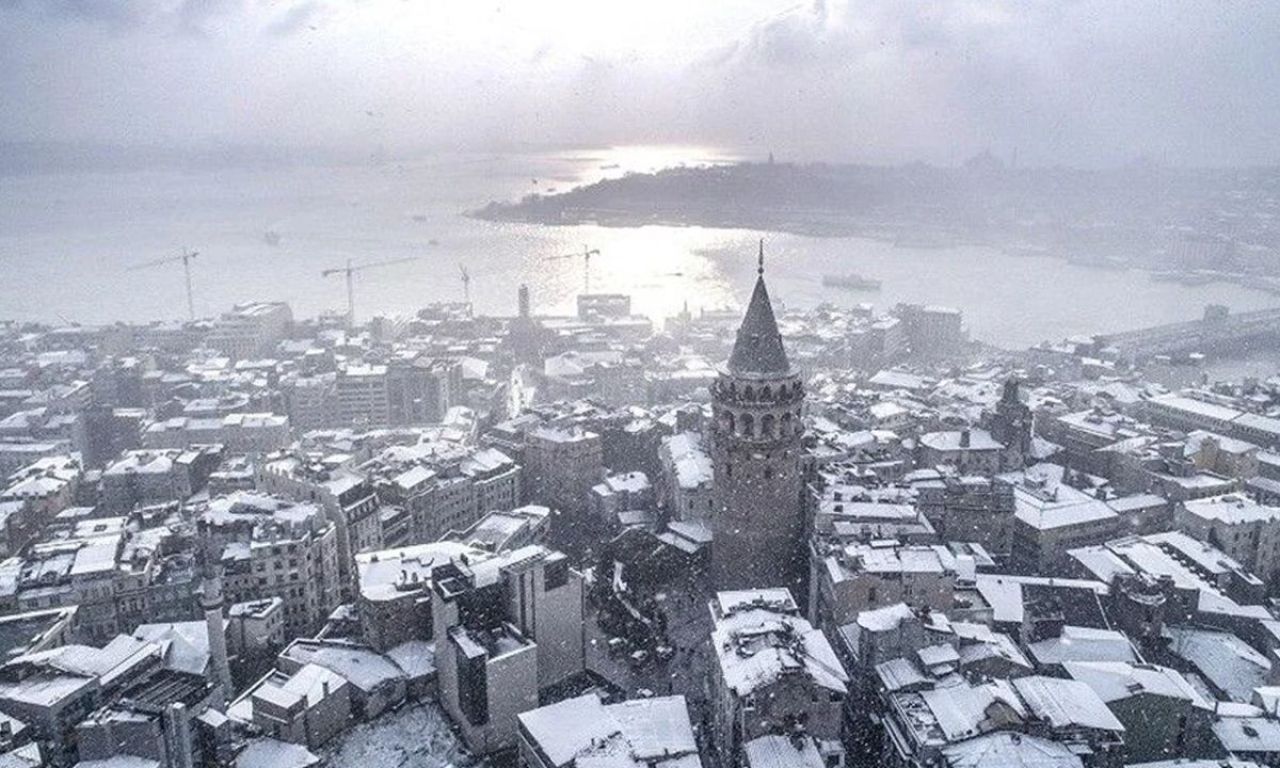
<point x="251" y="329"/>
<point x="506" y="627"/>
<point x="270" y="546"/>
<point x="773" y="672"/>
<point x="561" y="466"/>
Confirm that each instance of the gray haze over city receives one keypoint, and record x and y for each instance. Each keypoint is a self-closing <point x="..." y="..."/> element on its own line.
<point x="575" y="384"/>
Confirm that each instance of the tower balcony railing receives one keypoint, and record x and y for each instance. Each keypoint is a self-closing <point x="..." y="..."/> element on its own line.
<point x="764" y="394"/>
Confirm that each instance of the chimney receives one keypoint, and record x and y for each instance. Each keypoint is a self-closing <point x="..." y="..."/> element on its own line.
<point x="964" y="438"/>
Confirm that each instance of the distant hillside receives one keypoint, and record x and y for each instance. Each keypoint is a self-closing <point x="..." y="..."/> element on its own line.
<point x="1134" y="216"/>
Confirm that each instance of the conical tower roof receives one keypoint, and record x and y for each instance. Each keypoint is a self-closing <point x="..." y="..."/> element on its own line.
<point x="758" y="349"/>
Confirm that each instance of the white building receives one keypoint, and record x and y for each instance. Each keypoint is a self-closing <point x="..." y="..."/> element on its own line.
<point x="506" y="627"/>
<point x="583" y="731"/>
<point x="687" y="478"/>
<point x="969" y="451"/>
<point x="361" y="396"/>
<point x="1245" y="530"/>
<point x="773" y="673"/>
<point x="625" y="492"/>
<point x="238" y="432"/>
<point x="858" y="577"/>
<point x="274" y="547"/>
<point x="251" y="329"/>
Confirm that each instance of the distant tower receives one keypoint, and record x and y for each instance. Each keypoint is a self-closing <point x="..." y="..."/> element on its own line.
<point x="1011" y="426"/>
<point x="525" y="334"/>
<point x="211" y="602"/>
<point x="523" y="301"/>
<point x="756" y="403"/>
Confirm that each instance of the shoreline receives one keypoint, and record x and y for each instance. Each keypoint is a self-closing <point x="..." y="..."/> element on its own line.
<point x="616" y="219"/>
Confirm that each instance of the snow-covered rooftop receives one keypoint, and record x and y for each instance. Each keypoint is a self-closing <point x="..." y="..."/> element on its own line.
<point x="642" y="732"/>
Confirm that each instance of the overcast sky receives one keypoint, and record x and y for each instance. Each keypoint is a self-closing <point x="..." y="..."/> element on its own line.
<point x="1075" y="82"/>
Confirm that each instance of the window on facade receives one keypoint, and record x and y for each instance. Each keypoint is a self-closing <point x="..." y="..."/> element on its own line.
<point x="556" y="575"/>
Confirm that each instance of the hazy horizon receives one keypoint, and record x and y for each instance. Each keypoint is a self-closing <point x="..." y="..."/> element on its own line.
<point x="1086" y="84"/>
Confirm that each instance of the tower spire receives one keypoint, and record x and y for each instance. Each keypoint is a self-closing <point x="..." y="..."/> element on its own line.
<point x="758" y="348"/>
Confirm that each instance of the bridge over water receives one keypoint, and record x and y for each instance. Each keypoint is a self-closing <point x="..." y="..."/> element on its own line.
<point x="1216" y="334"/>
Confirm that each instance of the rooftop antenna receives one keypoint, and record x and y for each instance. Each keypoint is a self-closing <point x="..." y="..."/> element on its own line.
<point x="185" y="257"/>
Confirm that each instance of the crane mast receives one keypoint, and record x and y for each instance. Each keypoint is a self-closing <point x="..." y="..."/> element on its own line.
<point x="586" y="254"/>
<point x="186" y="258"/>
<point x="349" y="271"/>
<point x="466" y="287"/>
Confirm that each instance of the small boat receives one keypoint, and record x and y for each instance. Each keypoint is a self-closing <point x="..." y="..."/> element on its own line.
<point x="851" y="281"/>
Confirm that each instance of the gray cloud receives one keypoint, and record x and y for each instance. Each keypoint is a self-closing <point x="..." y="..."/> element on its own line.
<point x="1077" y="81"/>
<point x="1082" y="81"/>
<point x="113" y="13"/>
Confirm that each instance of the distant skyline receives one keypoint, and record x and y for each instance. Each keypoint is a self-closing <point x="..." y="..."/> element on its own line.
<point x="1081" y="82"/>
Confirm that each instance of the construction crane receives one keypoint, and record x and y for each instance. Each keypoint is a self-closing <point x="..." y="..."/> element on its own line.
<point x="466" y="286"/>
<point x="586" y="255"/>
<point x="350" y="270"/>
<point x="185" y="257"/>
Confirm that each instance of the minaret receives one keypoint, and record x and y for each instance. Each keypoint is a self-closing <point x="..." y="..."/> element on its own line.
<point x="215" y="625"/>
<point x="756" y="402"/>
